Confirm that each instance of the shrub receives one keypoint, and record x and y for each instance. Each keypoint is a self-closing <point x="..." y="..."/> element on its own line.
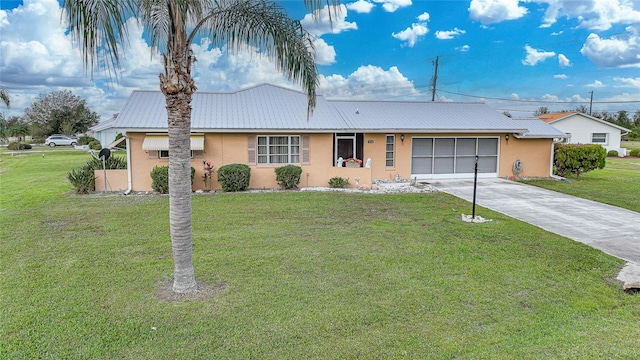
<point x="234" y="177"/>
<point x="160" y="178"/>
<point x="18" y="146"/>
<point x="578" y="158"/>
<point x="338" y="182"/>
<point x="288" y="176"/>
<point x="635" y="152"/>
<point x="612" y="153"/>
<point x="83" y="178"/>
<point x="122" y="145"/>
<point x="85" y="140"/>
<point x="95" y="145"/>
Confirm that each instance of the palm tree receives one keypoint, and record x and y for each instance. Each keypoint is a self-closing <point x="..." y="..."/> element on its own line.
<point x="4" y="96"/>
<point x="173" y="25"/>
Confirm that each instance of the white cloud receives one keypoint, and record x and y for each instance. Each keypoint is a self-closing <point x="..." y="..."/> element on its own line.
<point x="632" y="82"/>
<point x="369" y="82"/>
<point x="494" y="11"/>
<point x="560" y="76"/>
<point x="325" y="53"/>
<point x="424" y="17"/>
<point x="417" y="30"/>
<point x="463" y="48"/>
<point x="320" y="24"/>
<point x="594" y="14"/>
<point x="393" y="5"/>
<point x="361" y="6"/>
<point x="563" y="61"/>
<point x="618" y="51"/>
<point x="535" y="56"/>
<point x="448" y="35"/>
<point x="595" y="84"/>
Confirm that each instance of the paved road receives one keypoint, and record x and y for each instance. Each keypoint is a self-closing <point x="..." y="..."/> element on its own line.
<point x="614" y="230"/>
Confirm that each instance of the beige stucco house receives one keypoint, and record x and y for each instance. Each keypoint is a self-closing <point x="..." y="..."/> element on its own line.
<point x="267" y="126"/>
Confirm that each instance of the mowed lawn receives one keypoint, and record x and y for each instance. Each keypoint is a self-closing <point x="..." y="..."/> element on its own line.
<point x="297" y="275"/>
<point x="617" y="184"/>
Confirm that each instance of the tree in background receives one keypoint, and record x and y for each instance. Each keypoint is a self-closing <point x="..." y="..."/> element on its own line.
<point x="172" y="27"/>
<point x="60" y="112"/>
<point x="4" y="96"/>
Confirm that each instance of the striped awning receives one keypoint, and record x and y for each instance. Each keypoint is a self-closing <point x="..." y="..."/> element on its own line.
<point x="161" y="142"/>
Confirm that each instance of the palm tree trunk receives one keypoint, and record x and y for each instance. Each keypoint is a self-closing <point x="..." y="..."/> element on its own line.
<point x="179" y="121"/>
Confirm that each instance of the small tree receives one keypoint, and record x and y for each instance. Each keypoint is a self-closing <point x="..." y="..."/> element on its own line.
<point x="578" y="158"/>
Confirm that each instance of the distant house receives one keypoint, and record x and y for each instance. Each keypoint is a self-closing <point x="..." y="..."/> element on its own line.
<point x="585" y="129"/>
<point x="267" y="126"/>
<point x="105" y="132"/>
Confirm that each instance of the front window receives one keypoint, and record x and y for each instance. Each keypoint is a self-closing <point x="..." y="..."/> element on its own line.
<point x="599" y="138"/>
<point x="390" y="151"/>
<point x="164" y="154"/>
<point x="278" y="149"/>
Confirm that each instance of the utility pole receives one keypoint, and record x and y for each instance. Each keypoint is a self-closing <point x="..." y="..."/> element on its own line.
<point x="590" y="102"/>
<point x="435" y="80"/>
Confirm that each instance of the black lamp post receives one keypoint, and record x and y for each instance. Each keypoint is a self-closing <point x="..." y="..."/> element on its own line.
<point x="475" y="185"/>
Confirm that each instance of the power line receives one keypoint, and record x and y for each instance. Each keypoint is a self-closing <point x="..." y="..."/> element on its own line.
<point x="541" y="101"/>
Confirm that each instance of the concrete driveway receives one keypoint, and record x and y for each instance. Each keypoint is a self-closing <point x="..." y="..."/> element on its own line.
<point x="614" y="230"/>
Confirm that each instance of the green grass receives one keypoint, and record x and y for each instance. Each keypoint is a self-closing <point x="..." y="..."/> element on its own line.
<point x="617" y="184"/>
<point x="630" y="144"/>
<point x="305" y="275"/>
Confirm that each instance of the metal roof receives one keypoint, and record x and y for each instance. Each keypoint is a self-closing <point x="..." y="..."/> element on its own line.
<point x="537" y="128"/>
<point x="273" y="108"/>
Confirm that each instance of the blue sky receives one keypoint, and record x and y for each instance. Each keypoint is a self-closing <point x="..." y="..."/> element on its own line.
<point x="514" y="55"/>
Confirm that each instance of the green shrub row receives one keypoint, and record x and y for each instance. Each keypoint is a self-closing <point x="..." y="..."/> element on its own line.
<point x="578" y="158"/>
<point x="612" y="153"/>
<point x="236" y="177"/>
<point x="83" y="178"/>
<point x="635" y="152"/>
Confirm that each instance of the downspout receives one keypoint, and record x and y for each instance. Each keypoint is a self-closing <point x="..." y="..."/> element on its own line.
<point x="129" y="182"/>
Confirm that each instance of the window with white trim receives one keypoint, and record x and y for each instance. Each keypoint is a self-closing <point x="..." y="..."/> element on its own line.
<point x="279" y="149"/>
<point x="164" y="154"/>
<point x="599" y="138"/>
<point x="390" y="151"/>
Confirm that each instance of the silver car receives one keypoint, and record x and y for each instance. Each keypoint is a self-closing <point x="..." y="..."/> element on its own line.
<point x="57" y="139"/>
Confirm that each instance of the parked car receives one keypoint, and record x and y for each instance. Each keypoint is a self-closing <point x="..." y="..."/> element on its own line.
<point x="58" y="139"/>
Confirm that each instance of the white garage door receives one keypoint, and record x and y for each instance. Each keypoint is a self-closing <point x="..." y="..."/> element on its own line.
<point x="442" y="157"/>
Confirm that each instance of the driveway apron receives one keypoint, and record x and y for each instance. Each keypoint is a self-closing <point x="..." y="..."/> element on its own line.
<point x="614" y="230"/>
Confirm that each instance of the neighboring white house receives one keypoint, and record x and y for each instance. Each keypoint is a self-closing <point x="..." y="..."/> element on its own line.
<point x="585" y="129"/>
<point x="105" y="132"/>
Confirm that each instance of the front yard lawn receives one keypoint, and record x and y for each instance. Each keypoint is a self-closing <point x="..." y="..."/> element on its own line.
<point x="617" y="184"/>
<point x="301" y="275"/>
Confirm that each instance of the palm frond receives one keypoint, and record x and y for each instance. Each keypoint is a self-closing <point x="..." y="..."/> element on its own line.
<point x="98" y="26"/>
<point x="265" y="25"/>
<point x="4" y="96"/>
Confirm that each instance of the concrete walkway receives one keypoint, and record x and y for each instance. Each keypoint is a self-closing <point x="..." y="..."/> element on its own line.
<point x="614" y="230"/>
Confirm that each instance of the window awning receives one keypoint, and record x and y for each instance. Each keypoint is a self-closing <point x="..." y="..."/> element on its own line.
<point x="161" y="142"/>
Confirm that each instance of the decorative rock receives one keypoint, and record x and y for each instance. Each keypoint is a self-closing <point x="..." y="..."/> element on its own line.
<point x="477" y="219"/>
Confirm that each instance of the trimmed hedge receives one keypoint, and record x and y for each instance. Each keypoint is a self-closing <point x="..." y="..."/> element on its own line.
<point x="234" y="177"/>
<point x="160" y="178"/>
<point x="612" y="153"/>
<point x="288" y="176"/>
<point x="578" y="158"/>
<point x="635" y="152"/>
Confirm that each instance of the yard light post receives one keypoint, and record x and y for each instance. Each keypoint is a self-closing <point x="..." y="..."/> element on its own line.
<point x="475" y="186"/>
